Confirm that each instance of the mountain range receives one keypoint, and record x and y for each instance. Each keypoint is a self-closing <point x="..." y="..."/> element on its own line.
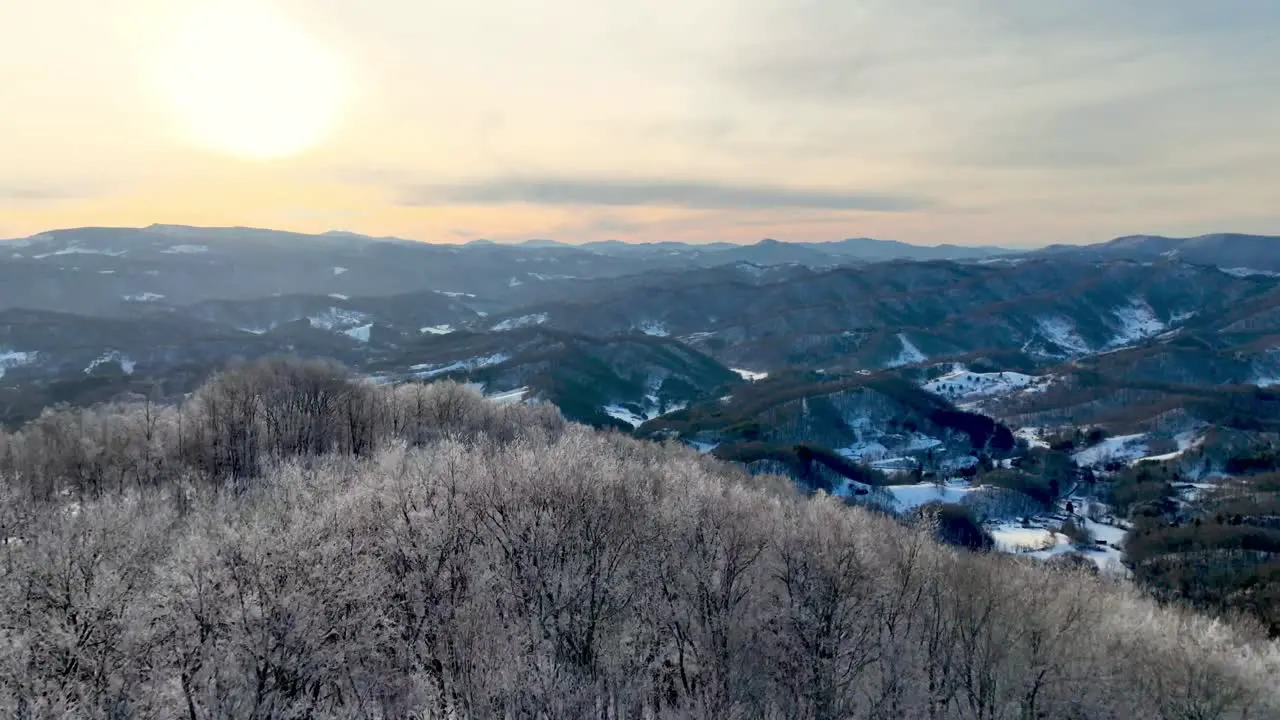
<point x="621" y="334"/>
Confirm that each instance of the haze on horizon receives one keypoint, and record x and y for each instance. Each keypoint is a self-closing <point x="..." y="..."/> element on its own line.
<point x="968" y="122"/>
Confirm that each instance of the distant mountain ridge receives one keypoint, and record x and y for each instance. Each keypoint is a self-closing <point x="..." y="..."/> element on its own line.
<point x="1226" y="250"/>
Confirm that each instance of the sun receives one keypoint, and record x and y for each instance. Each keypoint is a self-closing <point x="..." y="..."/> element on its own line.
<point x="245" y="81"/>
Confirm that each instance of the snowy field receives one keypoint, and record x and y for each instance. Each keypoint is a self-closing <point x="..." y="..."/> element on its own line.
<point x="961" y="384"/>
<point x="13" y="359"/>
<point x="519" y="322"/>
<point x="428" y="371"/>
<point x="1137" y="322"/>
<point x="1122" y="448"/>
<point x="1062" y="332"/>
<point x="1132" y="449"/>
<point x="909" y="355"/>
<point x="634" y="419"/>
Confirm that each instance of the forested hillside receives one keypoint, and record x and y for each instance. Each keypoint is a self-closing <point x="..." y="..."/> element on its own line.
<point x="290" y="542"/>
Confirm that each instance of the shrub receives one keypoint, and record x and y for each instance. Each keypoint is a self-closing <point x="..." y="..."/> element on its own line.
<point x="1081" y="536"/>
<point x="955" y="525"/>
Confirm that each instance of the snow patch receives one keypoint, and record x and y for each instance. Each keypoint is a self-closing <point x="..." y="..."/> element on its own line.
<point x="1188" y="440"/>
<point x="514" y="282"/>
<point x="186" y="250"/>
<point x="338" y="270"/>
<point x="519" y="322"/>
<point x="509" y="397"/>
<point x="910" y="497"/>
<point x="1042" y="541"/>
<point x="1062" y="332"/>
<point x="1122" y="448"/>
<point x="338" y="319"/>
<point x="126" y="365"/>
<point x="1137" y="322"/>
<point x="750" y="375"/>
<point x="651" y="410"/>
<point x="144" y="297"/>
<point x="14" y="358"/>
<point x="436" y="329"/>
<point x="428" y="370"/>
<point x="75" y="250"/>
<point x="338" y="296"/>
<point x="1243" y="272"/>
<point x="654" y="328"/>
<point x="447" y="293"/>
<point x="359" y="334"/>
<point x="910" y="353"/>
<point x="964" y="384"/>
<point x="702" y="446"/>
<point x="1032" y="436"/>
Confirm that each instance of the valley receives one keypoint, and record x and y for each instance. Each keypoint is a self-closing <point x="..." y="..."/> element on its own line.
<point x="1013" y="391"/>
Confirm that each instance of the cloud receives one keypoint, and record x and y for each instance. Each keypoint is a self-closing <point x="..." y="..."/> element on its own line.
<point x="1136" y="89"/>
<point x="40" y="193"/>
<point x="687" y="194"/>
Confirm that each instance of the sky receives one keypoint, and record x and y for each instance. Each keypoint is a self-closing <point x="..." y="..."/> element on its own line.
<point x="986" y="122"/>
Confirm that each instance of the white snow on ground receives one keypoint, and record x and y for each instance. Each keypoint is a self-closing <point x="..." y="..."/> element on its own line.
<point x="1137" y="322"/>
<point x="144" y="297"/>
<point x="910" y="353"/>
<point x="965" y="384"/>
<point x="1032" y="436"/>
<point x="920" y="441"/>
<point x="634" y="419"/>
<point x="79" y="251"/>
<point x="910" y="497"/>
<point x="1241" y="272"/>
<point x="514" y="282"/>
<point x="509" y="397"/>
<point x="629" y="417"/>
<point x="255" y="331"/>
<point x="1062" y="332"/>
<point x="955" y="464"/>
<point x="337" y="319"/>
<point x="451" y="294"/>
<point x="359" y="334"/>
<point x="428" y="370"/>
<point x="339" y="296"/>
<point x="1013" y="538"/>
<point x="14" y="358"/>
<point x="1042" y="541"/>
<point x="750" y="374"/>
<point x="655" y="328"/>
<point x="437" y="329"/>
<point x="338" y="269"/>
<point x="870" y="450"/>
<point x="126" y="364"/>
<point x="1122" y="448"/>
<point x="700" y="446"/>
<point x="519" y="322"/>
<point x="186" y="250"/>
<point x="1186" y="441"/>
